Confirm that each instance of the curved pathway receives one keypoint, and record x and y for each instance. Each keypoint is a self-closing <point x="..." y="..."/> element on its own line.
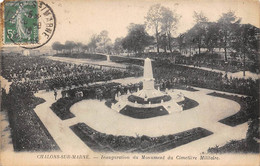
<point x="103" y="119"/>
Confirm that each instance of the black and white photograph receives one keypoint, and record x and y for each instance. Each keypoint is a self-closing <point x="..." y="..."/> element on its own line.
<point x="128" y="82"/>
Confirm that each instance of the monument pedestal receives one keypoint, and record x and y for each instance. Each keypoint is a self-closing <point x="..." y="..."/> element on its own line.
<point x="147" y="93"/>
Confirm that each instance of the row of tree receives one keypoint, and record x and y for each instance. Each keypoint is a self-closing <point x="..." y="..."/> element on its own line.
<point x="99" y="43"/>
<point x="160" y="19"/>
<point x="226" y="33"/>
<point x="163" y="21"/>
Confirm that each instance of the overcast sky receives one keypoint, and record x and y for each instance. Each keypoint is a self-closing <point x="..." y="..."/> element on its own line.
<point x="77" y="20"/>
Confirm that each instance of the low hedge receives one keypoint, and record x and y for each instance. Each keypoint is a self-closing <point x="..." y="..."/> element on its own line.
<point x="62" y="107"/>
<point x="188" y="103"/>
<point x="27" y="131"/>
<point x="142" y="113"/>
<point x="155" y="100"/>
<point x="248" y="109"/>
<point x="84" y="56"/>
<point x="102" y="142"/>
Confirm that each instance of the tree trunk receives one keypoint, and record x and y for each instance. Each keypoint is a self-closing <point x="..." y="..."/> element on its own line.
<point x="199" y="44"/>
<point x="225" y="47"/>
<point x="169" y="42"/>
<point x="157" y="39"/>
<point x="190" y="50"/>
<point x="225" y="53"/>
<point x="244" y="61"/>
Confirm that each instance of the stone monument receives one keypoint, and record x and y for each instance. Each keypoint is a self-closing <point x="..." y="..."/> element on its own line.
<point x="148" y="90"/>
<point x="147" y="100"/>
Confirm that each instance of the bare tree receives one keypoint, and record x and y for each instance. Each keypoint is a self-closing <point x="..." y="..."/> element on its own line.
<point x="92" y="45"/>
<point x="153" y="21"/>
<point x="199" y="17"/>
<point x="199" y="30"/>
<point x="169" y="21"/>
<point x="104" y="44"/>
<point x="226" y="32"/>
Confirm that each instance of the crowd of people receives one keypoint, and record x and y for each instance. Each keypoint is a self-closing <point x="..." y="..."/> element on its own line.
<point x="30" y="74"/>
<point x="69" y="97"/>
<point x="217" y="63"/>
<point x="37" y="73"/>
<point x="208" y="60"/>
<point x="168" y="75"/>
<point x="27" y="131"/>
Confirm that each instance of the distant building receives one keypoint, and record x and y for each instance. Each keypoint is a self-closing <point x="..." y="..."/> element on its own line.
<point x="26" y="52"/>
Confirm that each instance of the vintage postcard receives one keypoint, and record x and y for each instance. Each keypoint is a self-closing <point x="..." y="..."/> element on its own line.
<point x="129" y="82"/>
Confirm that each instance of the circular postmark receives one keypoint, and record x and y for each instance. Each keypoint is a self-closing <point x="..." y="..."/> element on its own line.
<point x="29" y="24"/>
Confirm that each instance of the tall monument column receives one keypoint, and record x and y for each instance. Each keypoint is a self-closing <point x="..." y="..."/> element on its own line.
<point x="148" y="90"/>
<point x="148" y="94"/>
<point x="148" y="82"/>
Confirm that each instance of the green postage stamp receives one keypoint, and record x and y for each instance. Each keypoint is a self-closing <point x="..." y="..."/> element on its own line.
<point x="21" y="22"/>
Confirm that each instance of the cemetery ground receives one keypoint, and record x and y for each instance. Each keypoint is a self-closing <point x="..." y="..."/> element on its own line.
<point x="105" y="120"/>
